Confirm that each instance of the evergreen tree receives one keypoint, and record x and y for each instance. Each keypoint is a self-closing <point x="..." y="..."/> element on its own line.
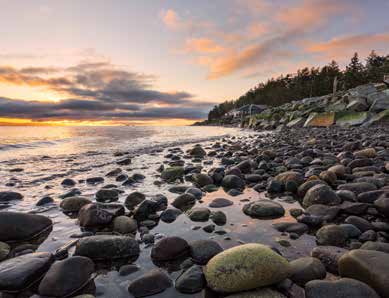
<point x="309" y="82"/>
<point x="354" y="75"/>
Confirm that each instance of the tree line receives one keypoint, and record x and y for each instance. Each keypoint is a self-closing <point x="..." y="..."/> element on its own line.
<point x="309" y="82"/>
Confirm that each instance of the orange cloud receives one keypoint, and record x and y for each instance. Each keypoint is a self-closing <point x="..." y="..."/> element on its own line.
<point x="256" y="30"/>
<point x="249" y="56"/>
<point x="171" y="19"/>
<point x="344" y="47"/>
<point x="312" y="13"/>
<point x="202" y="45"/>
<point x="253" y="6"/>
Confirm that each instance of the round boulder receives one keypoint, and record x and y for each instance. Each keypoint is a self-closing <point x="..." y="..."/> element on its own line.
<point x="264" y="209"/>
<point x="320" y="194"/>
<point x="150" y="283"/>
<point x="331" y="235"/>
<point x="202" y="251"/>
<point x="18" y="273"/>
<point x="107" y="247"/>
<point x="66" y="277"/>
<point x="74" y="204"/>
<point x="169" y="248"/>
<point x="342" y="288"/>
<point x="232" y="182"/>
<point x="245" y="267"/>
<point x="306" y="269"/>
<point x="17" y="226"/>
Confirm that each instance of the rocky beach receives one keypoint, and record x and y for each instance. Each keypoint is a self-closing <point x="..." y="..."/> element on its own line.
<point x="194" y="149"/>
<point x="287" y="213"/>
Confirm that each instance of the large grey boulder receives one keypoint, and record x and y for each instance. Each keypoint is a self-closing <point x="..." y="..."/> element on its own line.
<point x="381" y="102"/>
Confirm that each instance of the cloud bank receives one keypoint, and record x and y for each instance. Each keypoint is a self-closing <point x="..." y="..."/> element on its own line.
<point x="96" y="91"/>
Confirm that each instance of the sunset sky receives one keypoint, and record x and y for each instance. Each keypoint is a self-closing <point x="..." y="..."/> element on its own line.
<point x="98" y="62"/>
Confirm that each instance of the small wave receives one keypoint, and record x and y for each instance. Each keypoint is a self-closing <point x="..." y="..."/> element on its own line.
<point x="37" y="144"/>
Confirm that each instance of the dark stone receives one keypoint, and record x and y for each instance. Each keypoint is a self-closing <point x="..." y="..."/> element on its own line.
<point x="45" y="201"/>
<point x="306" y="269"/>
<point x="320" y="194"/>
<point x="378" y="246"/>
<point x="6" y="196"/>
<point x="184" y="201"/>
<point x="382" y="204"/>
<point x="331" y="235"/>
<point x="329" y="256"/>
<point x="368" y="266"/>
<point x="199" y="214"/>
<point x="362" y="224"/>
<point x="170" y="215"/>
<point x="128" y="269"/>
<point x="370" y="196"/>
<point x="95" y="180"/>
<point x="94" y="215"/>
<point x="220" y="203"/>
<point x="170" y="248"/>
<point x="107" y="247"/>
<point x="191" y="281"/>
<point x="66" y="277"/>
<point x="19" y="273"/>
<point x="150" y="283"/>
<point x="264" y="209"/>
<point x="342" y="288"/>
<point x="145" y="209"/>
<point x="134" y="199"/>
<point x="74" y="204"/>
<point x="232" y="181"/>
<point x="291" y="227"/>
<point x="219" y="218"/>
<point x="358" y="187"/>
<point x="68" y="182"/>
<point x="107" y="195"/>
<point x="17" y="226"/>
<point x="203" y="250"/>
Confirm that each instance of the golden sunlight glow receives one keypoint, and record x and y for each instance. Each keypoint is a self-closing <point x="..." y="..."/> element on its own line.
<point x="30" y="94"/>
<point x="156" y="122"/>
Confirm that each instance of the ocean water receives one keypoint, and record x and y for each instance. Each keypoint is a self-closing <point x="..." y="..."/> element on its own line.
<point x="28" y="141"/>
<point x="35" y="160"/>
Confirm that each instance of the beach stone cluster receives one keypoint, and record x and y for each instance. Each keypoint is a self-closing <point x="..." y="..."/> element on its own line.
<point x="339" y="178"/>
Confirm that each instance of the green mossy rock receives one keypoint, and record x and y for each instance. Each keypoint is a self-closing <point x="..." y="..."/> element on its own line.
<point x="173" y="173"/>
<point x="320" y="119"/>
<point x="349" y="118"/>
<point x="245" y="267"/>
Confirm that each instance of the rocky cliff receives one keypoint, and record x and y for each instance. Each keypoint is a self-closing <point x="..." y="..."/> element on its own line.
<point x="362" y="106"/>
